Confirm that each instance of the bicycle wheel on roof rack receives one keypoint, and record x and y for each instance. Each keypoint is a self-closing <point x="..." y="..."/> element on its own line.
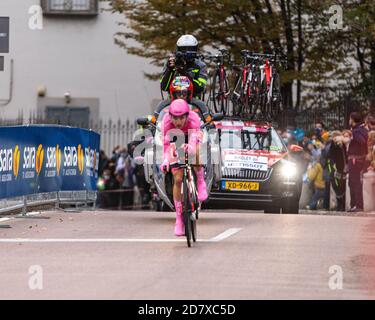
<point x="237" y="107"/>
<point x="252" y="103"/>
<point x="263" y="98"/>
<point x="253" y="93"/>
<point x="220" y="90"/>
<point x="236" y="97"/>
<point x="276" y="99"/>
<point x="265" y="106"/>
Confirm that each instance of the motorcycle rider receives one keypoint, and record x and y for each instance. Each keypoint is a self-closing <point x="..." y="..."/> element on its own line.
<point x="181" y="87"/>
<point x="186" y="63"/>
<point x="182" y="118"/>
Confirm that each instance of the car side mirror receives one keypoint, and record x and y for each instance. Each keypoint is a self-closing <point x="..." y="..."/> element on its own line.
<point x="295" y="148"/>
<point x="142" y="121"/>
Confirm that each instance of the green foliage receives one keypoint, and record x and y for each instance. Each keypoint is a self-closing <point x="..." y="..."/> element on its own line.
<point x="322" y="62"/>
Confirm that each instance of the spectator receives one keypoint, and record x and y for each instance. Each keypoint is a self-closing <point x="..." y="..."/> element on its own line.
<point x="371" y="151"/>
<point x="103" y="162"/>
<point x="325" y="145"/>
<point x="116" y="153"/>
<point x="313" y="138"/>
<point x="107" y="199"/>
<point x="370" y="123"/>
<point x="305" y="141"/>
<point x="306" y="156"/>
<point x="121" y="159"/>
<point x="143" y="186"/>
<point x="347" y="137"/>
<point x="285" y="136"/>
<point x="318" y="131"/>
<point x="121" y="197"/>
<point x="325" y="136"/>
<point x="356" y="159"/>
<point x="313" y="150"/>
<point x="337" y="167"/>
<point x="315" y="175"/>
<point x="126" y="177"/>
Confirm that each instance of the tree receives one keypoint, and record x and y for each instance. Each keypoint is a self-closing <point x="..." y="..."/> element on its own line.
<point x="321" y="61"/>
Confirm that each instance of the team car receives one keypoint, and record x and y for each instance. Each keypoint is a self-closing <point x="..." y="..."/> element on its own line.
<point x="256" y="168"/>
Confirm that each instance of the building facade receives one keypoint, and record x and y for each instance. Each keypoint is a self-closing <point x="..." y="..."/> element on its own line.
<point x="62" y="64"/>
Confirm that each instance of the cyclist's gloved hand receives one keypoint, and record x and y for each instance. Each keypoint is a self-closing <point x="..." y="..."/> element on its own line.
<point x="165" y="166"/>
<point x="171" y="62"/>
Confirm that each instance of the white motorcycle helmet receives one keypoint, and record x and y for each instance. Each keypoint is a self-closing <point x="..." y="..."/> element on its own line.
<point x="187" y="43"/>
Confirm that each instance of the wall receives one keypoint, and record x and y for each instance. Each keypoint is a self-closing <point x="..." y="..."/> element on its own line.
<point x="76" y="55"/>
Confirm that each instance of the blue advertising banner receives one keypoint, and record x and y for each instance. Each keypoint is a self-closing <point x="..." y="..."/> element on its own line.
<point x="41" y="158"/>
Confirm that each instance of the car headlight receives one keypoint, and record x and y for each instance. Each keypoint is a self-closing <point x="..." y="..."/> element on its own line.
<point x="288" y="169"/>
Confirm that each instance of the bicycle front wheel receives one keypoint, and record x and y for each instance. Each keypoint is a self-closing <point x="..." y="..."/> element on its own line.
<point x="193" y="222"/>
<point x="194" y="215"/>
<point x="186" y="214"/>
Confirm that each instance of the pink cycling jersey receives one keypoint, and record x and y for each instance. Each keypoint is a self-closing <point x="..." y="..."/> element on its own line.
<point x="191" y="128"/>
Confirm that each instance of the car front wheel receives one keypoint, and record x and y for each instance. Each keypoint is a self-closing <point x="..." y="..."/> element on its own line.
<point x="291" y="206"/>
<point x="272" y="209"/>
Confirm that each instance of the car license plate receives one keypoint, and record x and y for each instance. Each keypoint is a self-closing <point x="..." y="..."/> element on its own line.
<point x="241" y="185"/>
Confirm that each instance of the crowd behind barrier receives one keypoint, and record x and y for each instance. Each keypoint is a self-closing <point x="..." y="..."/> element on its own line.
<point x="122" y="184"/>
<point x="324" y="167"/>
<point x="327" y="166"/>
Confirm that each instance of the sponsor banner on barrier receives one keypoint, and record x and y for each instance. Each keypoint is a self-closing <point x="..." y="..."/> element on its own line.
<point x="35" y="159"/>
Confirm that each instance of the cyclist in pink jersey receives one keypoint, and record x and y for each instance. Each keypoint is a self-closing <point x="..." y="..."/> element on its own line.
<point x="181" y="118"/>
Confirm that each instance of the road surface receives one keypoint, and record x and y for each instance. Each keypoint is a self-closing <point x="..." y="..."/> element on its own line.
<point x="134" y="255"/>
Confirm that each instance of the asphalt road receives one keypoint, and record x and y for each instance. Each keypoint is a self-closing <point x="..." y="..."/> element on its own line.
<point x="134" y="255"/>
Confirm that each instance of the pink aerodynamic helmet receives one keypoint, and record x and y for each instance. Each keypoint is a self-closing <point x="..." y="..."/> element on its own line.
<point x="178" y="108"/>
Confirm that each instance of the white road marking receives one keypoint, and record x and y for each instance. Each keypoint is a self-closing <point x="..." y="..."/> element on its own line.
<point x="29" y="214"/>
<point x="34" y="213"/>
<point x="77" y="240"/>
<point x="225" y="234"/>
<point x="218" y="238"/>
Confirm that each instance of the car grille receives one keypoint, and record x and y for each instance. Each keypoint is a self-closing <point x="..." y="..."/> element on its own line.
<point x="246" y="174"/>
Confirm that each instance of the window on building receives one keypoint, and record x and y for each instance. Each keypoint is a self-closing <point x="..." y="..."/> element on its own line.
<point x="70" y="7"/>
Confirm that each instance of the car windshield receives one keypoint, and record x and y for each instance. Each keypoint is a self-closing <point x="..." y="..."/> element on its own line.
<point x="250" y="139"/>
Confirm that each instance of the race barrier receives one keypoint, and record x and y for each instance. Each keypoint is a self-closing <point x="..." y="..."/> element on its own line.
<point x="368" y="180"/>
<point x="43" y="158"/>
